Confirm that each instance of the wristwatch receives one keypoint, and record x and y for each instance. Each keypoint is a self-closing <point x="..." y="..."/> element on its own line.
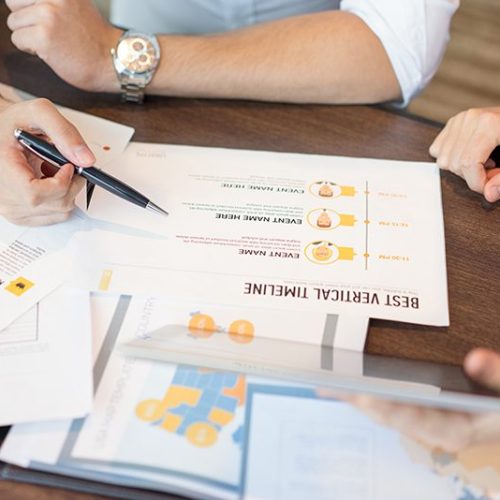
<point x="135" y="58"/>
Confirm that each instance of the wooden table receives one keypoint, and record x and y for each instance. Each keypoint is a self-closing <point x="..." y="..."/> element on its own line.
<point x="473" y="253"/>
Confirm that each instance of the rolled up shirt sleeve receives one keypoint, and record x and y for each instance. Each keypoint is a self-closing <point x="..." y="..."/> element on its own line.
<point x="414" y="33"/>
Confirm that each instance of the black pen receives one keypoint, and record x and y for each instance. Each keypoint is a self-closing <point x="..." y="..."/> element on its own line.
<point x="50" y="154"/>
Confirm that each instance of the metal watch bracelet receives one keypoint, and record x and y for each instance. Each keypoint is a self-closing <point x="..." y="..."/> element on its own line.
<point x="132" y="92"/>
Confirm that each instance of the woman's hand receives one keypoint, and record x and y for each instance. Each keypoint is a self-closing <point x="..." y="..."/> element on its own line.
<point x="465" y="145"/>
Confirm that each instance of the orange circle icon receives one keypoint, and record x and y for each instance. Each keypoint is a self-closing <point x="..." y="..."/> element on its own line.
<point x="201" y="434"/>
<point x="241" y="331"/>
<point x="322" y="253"/>
<point x="202" y="325"/>
<point x="149" y="410"/>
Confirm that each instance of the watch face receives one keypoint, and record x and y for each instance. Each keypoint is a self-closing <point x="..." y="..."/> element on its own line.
<point x="137" y="54"/>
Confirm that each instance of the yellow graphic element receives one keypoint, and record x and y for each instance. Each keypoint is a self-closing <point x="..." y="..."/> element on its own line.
<point x="347" y="191"/>
<point x="326" y="252"/>
<point x="19" y="286"/>
<point x="241" y="331"/>
<point x="105" y="280"/>
<point x="201" y="434"/>
<point x="328" y="189"/>
<point x="237" y="392"/>
<point x="202" y="325"/>
<point x="220" y="417"/>
<point x="172" y="422"/>
<point x="327" y="219"/>
<point x="198" y="404"/>
<point x="347" y="220"/>
<point x="322" y="253"/>
<point x="346" y="253"/>
<point x="150" y="410"/>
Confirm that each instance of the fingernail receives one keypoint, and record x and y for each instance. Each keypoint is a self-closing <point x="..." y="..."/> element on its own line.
<point x="474" y="363"/>
<point x="84" y="155"/>
<point x="492" y="194"/>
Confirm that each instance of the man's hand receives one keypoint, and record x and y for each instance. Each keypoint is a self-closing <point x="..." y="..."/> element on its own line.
<point x="70" y="36"/>
<point x="484" y="367"/>
<point x="446" y="430"/>
<point x="464" y="147"/>
<point x="26" y="196"/>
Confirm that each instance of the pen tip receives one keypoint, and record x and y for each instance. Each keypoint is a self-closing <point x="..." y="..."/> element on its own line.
<point x="155" y="208"/>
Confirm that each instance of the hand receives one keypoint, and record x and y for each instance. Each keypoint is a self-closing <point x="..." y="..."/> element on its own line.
<point x="26" y="197"/>
<point x="70" y="36"/>
<point x="464" y="147"/>
<point x="442" y="429"/>
<point x="484" y="367"/>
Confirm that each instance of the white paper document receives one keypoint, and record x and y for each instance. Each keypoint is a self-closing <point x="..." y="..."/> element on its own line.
<point x="45" y="361"/>
<point x="319" y="233"/>
<point x="33" y="263"/>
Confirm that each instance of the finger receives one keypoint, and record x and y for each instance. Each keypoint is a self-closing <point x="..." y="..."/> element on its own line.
<point x="27" y="39"/>
<point x="484" y="367"/>
<point x="63" y="134"/>
<point x="14" y="5"/>
<point x="446" y="150"/>
<point x="435" y="148"/>
<point x="41" y="191"/>
<point x="17" y="171"/>
<point x="67" y="202"/>
<point x="377" y="409"/>
<point x="31" y="15"/>
<point x="476" y="154"/>
<point x="492" y="187"/>
<point x="40" y="220"/>
<point x="485" y="428"/>
<point x="475" y="176"/>
<point x="444" y="430"/>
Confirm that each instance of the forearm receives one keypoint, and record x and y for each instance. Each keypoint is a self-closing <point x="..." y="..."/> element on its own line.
<point x="330" y="57"/>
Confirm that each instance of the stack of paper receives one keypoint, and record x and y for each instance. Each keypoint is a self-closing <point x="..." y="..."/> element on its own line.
<point x="211" y="434"/>
<point x="45" y="333"/>
<point x="288" y="248"/>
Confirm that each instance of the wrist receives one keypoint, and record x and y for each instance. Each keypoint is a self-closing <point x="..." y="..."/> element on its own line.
<point x="106" y="79"/>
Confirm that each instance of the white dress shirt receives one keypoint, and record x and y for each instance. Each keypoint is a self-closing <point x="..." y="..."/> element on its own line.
<point x="414" y="33"/>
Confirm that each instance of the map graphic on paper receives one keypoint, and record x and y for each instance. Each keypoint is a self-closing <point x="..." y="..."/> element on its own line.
<point x="197" y="404"/>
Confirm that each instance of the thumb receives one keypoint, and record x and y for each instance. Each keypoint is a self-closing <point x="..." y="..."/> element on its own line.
<point x="42" y="114"/>
<point x="484" y="367"/>
<point x="492" y="187"/>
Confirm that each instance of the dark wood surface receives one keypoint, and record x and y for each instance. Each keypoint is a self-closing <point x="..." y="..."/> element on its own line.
<point x="473" y="251"/>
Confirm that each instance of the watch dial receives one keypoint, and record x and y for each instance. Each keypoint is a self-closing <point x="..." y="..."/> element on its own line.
<point x="137" y="55"/>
